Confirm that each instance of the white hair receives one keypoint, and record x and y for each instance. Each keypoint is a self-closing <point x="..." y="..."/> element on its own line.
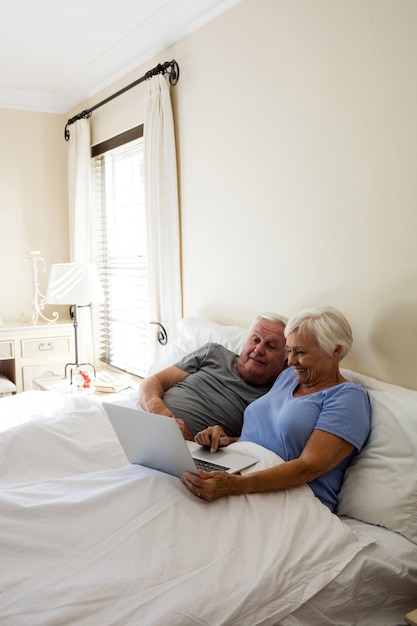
<point x="272" y="317"/>
<point x="328" y="325"/>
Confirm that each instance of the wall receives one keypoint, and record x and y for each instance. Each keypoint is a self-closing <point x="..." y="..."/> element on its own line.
<point x="297" y="136"/>
<point x="33" y="205"/>
<point x="297" y="144"/>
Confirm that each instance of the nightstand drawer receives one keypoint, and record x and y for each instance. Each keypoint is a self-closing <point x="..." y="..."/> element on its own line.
<point x="46" y="347"/>
<point x="6" y="350"/>
<point x="47" y="370"/>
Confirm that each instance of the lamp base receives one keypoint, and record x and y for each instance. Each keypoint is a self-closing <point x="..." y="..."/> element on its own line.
<point x="76" y="367"/>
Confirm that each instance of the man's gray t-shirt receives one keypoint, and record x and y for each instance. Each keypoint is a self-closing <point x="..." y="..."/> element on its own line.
<point x="214" y="393"/>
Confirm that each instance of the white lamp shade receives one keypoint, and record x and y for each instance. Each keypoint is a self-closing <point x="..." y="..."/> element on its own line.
<point x="74" y="283"/>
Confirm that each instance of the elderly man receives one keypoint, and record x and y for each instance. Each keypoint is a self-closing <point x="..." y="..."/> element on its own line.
<point x="212" y="385"/>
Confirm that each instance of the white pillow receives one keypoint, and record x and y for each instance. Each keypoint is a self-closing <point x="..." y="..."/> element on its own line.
<point x="194" y="332"/>
<point x="373" y="384"/>
<point x="380" y="486"/>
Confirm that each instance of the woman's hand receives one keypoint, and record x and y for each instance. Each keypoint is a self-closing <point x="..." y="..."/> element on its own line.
<point x="209" y="485"/>
<point x="214" y="437"/>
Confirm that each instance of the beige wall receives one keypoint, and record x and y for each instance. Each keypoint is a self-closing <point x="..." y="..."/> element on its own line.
<point x="33" y="204"/>
<point x="297" y="132"/>
<point x="297" y="144"/>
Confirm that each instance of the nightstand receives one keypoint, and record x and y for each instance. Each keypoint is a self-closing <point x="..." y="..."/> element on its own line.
<point x="58" y="383"/>
<point x="63" y="385"/>
<point x="29" y="351"/>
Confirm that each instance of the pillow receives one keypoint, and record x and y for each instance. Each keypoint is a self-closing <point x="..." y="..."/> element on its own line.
<point x="373" y="384"/>
<point x="194" y="333"/>
<point x="380" y="486"/>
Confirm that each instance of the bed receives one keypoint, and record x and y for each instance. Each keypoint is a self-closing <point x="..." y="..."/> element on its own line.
<point x="87" y="539"/>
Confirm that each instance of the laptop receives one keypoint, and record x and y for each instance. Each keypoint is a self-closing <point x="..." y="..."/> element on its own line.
<point x="156" y="441"/>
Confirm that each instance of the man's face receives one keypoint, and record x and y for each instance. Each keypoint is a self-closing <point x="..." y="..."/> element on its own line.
<point x="263" y="356"/>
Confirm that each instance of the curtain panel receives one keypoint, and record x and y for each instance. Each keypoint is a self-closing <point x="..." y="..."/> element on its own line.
<point x="161" y="199"/>
<point x="79" y="190"/>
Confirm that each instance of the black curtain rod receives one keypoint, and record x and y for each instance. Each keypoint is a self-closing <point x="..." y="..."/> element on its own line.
<point x="169" y="67"/>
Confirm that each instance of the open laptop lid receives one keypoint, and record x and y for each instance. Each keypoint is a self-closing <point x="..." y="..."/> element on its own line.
<point x="156" y="441"/>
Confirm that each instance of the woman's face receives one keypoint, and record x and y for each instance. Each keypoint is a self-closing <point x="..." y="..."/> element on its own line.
<point x="310" y="363"/>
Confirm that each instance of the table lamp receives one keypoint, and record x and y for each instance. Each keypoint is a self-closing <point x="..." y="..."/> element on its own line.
<point x="74" y="284"/>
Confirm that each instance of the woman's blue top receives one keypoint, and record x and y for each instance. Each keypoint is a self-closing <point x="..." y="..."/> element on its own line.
<point x="283" y="423"/>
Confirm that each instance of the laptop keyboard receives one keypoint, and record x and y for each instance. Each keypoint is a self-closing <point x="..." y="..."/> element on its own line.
<point x="207" y="466"/>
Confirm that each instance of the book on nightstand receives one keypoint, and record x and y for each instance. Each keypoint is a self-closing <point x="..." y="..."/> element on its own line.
<point x="106" y="382"/>
<point x="411" y="618"/>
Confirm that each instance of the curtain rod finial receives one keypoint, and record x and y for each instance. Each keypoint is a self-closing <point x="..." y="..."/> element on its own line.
<point x="174" y="73"/>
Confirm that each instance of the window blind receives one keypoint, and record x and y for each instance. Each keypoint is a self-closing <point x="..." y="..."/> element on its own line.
<point x="121" y="256"/>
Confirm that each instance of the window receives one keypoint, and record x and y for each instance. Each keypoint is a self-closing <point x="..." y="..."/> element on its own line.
<point x="120" y="251"/>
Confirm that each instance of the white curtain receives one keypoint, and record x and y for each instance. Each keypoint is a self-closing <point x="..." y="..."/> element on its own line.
<point x="161" y="198"/>
<point x="80" y="221"/>
<point x="79" y="191"/>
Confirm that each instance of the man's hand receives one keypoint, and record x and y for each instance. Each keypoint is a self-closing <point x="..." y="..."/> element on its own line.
<point x="214" y="437"/>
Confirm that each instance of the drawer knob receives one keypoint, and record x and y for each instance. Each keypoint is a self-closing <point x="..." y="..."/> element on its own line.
<point x="46" y="347"/>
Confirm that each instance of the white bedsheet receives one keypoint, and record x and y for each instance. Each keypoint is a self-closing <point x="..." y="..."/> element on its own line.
<point x="377" y="588"/>
<point x="87" y="539"/>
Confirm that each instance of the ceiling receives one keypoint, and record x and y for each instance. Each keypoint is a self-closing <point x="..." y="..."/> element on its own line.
<point x="52" y="57"/>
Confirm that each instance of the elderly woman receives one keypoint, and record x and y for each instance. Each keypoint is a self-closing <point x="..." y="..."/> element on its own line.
<point x="313" y="418"/>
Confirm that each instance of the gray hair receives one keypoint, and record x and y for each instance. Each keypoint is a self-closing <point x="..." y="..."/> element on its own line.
<point x="328" y="325"/>
<point x="272" y="317"/>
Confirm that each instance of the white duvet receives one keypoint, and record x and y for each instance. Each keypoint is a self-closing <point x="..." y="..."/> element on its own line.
<point x="87" y="539"/>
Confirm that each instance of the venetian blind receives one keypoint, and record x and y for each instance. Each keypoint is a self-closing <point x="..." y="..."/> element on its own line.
<point x="121" y="257"/>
